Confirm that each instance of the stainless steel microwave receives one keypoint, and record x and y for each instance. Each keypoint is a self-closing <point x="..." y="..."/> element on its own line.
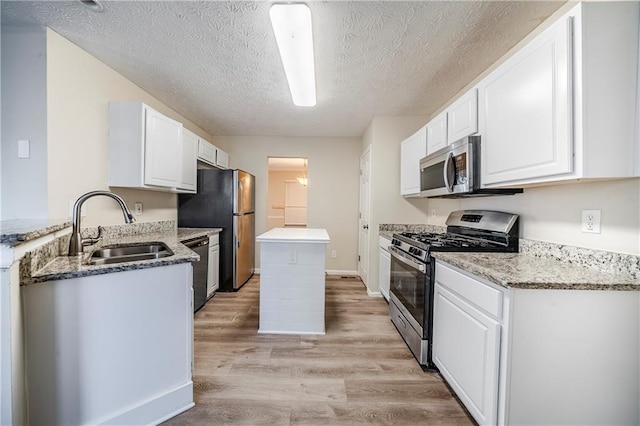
<point x="454" y="172"/>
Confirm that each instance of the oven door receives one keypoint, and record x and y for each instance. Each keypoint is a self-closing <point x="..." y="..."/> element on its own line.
<point x="409" y="288"/>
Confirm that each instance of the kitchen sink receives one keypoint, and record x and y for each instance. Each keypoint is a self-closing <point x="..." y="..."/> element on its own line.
<point x="130" y="253"/>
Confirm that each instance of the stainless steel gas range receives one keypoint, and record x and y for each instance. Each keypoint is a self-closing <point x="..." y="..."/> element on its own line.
<point x="413" y="268"/>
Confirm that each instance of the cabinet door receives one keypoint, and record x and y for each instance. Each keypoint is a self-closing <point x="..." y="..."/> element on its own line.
<point x="525" y="111"/>
<point x="207" y="152"/>
<point x="412" y="150"/>
<point x="437" y="133"/>
<point x="222" y="159"/>
<point x="189" y="173"/>
<point x="163" y="150"/>
<point x="384" y="273"/>
<point x="466" y="345"/>
<point x="213" y="273"/>
<point x="462" y="117"/>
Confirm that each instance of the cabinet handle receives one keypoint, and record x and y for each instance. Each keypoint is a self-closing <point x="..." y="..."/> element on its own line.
<point x="402" y="321"/>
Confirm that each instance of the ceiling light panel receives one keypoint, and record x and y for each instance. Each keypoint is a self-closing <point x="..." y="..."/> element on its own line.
<point x="292" y="27"/>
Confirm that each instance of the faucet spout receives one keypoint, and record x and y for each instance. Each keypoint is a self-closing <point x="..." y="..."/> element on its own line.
<point x="77" y="243"/>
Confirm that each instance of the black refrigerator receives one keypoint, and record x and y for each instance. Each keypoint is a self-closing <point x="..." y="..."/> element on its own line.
<point x="225" y="199"/>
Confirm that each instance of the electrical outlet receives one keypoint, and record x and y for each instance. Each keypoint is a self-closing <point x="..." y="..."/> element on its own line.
<point x="137" y="208"/>
<point x="433" y="212"/>
<point x="591" y="221"/>
<point x="333" y="254"/>
<point x="293" y="257"/>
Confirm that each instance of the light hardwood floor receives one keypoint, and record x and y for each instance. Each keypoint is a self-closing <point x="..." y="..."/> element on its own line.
<point x="360" y="372"/>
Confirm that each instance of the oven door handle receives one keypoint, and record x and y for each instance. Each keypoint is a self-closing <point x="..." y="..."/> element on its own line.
<point x="409" y="262"/>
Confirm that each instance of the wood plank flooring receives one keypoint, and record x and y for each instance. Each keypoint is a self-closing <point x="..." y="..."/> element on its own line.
<point x="360" y="372"/>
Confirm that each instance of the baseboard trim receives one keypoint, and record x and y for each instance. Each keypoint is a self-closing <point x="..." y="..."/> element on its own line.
<point x="156" y="410"/>
<point x="373" y="293"/>
<point x="346" y="273"/>
<point x="332" y="272"/>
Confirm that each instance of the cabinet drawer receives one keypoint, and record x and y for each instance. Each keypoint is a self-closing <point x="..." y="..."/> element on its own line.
<point x="481" y="295"/>
<point x="384" y="242"/>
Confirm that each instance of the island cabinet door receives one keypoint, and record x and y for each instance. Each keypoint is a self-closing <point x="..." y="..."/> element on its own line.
<point x="466" y="346"/>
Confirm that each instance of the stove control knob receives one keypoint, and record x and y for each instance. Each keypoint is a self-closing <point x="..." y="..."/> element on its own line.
<point x="417" y="252"/>
<point x="412" y="250"/>
<point x="395" y="242"/>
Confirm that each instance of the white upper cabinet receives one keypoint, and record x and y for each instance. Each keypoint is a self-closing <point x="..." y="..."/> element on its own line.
<point x="412" y="150"/>
<point x="222" y="159"/>
<point x="460" y="119"/>
<point x="188" y="181"/>
<point x="563" y="107"/>
<point x="146" y="150"/>
<point x="525" y="110"/>
<point x="206" y="152"/>
<point x="437" y="133"/>
<point x="462" y="116"/>
<point x="163" y="150"/>
<point x="211" y="154"/>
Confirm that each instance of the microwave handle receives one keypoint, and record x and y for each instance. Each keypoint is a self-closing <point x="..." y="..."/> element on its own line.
<point x="449" y="172"/>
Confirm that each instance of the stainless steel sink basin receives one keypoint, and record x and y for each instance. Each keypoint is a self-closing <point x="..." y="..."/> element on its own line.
<point x="130" y="253"/>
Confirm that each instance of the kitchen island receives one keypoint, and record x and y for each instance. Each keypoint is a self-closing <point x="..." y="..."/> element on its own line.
<point x="292" y="274"/>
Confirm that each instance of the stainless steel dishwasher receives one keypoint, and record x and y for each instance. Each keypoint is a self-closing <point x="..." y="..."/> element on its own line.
<point x="199" y="245"/>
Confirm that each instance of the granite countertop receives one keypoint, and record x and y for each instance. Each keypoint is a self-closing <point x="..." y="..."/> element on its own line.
<point x="16" y="231"/>
<point x="64" y="267"/>
<point x="522" y="271"/>
<point x="386" y="234"/>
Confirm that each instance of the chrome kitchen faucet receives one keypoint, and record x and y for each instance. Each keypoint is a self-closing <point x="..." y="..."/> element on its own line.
<point x="77" y="243"/>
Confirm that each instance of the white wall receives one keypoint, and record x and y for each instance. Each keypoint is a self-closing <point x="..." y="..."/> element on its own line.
<point x="332" y="192"/>
<point x="79" y="88"/>
<point x="553" y="213"/>
<point x="24" y="102"/>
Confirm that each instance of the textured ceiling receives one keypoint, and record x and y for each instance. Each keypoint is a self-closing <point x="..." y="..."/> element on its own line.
<point x="217" y="62"/>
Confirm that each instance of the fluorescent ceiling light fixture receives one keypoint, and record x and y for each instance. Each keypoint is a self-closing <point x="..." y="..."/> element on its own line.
<point x="292" y="27"/>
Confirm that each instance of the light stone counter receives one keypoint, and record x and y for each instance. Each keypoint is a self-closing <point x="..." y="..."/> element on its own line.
<point x="50" y="262"/>
<point x="292" y="280"/>
<point x="17" y="231"/>
<point x="294" y="235"/>
<point x="523" y="271"/>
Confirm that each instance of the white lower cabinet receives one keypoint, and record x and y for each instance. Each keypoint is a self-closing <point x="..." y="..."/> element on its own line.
<point x="110" y="349"/>
<point x="384" y="269"/>
<point x="466" y="347"/>
<point x="213" y="272"/>
<point x="538" y="356"/>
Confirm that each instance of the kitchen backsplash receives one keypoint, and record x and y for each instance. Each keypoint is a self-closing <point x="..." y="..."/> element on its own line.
<point x="605" y="261"/>
<point x="42" y="255"/>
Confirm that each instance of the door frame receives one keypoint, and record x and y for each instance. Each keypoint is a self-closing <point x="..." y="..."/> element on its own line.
<point x="364" y="246"/>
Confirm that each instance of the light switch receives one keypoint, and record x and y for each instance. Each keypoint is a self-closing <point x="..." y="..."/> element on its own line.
<point x="23" y="149"/>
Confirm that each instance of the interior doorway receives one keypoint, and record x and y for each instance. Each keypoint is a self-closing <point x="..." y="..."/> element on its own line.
<point x="287" y="192"/>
